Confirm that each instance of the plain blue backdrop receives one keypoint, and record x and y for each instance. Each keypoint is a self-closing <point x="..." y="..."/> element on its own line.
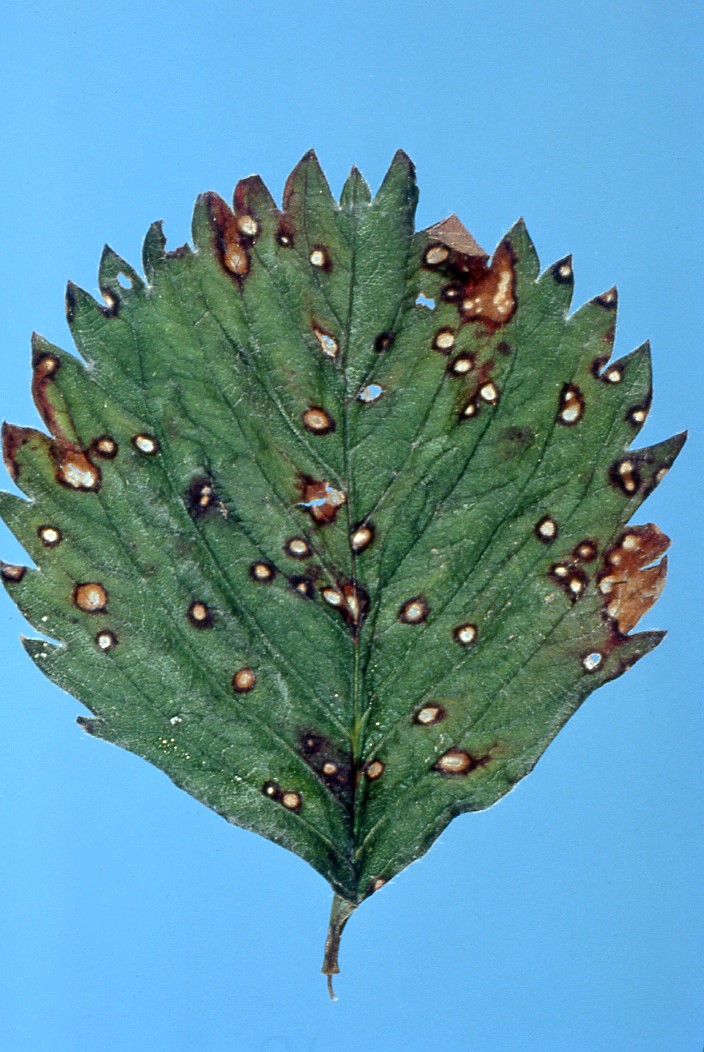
<point x="570" y="916"/>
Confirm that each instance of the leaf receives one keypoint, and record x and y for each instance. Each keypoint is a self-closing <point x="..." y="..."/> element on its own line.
<point x="329" y="520"/>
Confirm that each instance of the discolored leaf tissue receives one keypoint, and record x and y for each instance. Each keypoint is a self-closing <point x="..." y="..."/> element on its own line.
<point x="329" y="521"/>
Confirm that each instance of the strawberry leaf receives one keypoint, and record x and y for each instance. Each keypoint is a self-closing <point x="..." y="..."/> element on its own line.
<point x="329" y="521"/>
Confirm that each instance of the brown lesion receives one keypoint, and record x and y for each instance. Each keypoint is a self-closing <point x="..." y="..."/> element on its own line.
<point x="320" y="499"/>
<point x="352" y="602"/>
<point x="232" y="246"/>
<point x="629" y="583"/>
<point x="458" y="761"/>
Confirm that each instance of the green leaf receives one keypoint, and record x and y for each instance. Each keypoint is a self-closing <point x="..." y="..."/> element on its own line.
<point x="329" y="519"/>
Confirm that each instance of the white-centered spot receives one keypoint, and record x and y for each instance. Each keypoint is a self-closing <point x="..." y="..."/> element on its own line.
<point x="319" y="257"/>
<point x="361" y="538"/>
<point x="262" y="572"/>
<point x="175" y="720"/>
<point x="489" y="393"/>
<point x="429" y="714"/>
<point x="454" y="761"/>
<point x="614" y="374"/>
<point x="318" y="421"/>
<point x="444" y="340"/>
<point x="471" y="409"/>
<point x="147" y="444"/>
<point x="592" y="661"/>
<point x="298" y="548"/>
<point x="77" y="472"/>
<point x="435" y="255"/>
<point x="414" y="611"/>
<point x="106" y="639"/>
<point x="329" y="768"/>
<point x="105" y="447"/>
<point x="565" y="271"/>
<point x="50" y="536"/>
<point x="333" y="597"/>
<point x="465" y="634"/>
<point x="462" y="365"/>
<point x="547" y="528"/>
<point x="571" y="405"/>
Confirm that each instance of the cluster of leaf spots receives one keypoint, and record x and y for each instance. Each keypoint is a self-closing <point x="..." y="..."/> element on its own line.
<point x="329" y="517"/>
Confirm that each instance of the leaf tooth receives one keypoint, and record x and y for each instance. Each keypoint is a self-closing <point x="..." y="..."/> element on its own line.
<point x="153" y="249"/>
<point x="116" y="278"/>
<point x="355" y="192"/>
<point x="254" y="207"/>
<point x="527" y="262"/>
<point x="307" y="178"/>
<point x="639" y="471"/>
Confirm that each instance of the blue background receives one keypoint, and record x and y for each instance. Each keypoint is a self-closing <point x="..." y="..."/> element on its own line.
<point x="570" y="915"/>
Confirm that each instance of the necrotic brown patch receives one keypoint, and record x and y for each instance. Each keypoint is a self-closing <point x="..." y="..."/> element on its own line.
<point x="303" y="586"/>
<point x="320" y="499"/>
<point x="628" y="583"/>
<point x="11" y="573"/>
<point x="74" y="470"/>
<point x="231" y="247"/>
<point x="488" y="293"/>
<point x="383" y="342"/>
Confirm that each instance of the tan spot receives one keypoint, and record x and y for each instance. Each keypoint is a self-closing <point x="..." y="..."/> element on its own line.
<point x="304" y="586"/>
<point x="315" y="419"/>
<point x="329" y="769"/>
<point x="50" y="536"/>
<point x="374" y="770"/>
<point x="248" y="225"/>
<point x="562" y="271"/>
<point x="444" y="340"/>
<point x="465" y="634"/>
<point x="244" y="680"/>
<point x="362" y="537"/>
<point x="637" y="415"/>
<point x="571" y="408"/>
<point x="455" y="761"/>
<point x="332" y="596"/>
<point x="291" y="801"/>
<point x="328" y="343"/>
<point x="546" y="530"/>
<point x="147" y="444"/>
<point x="414" y="611"/>
<point x="76" y="471"/>
<point x="106" y="640"/>
<point x="263" y="572"/>
<point x="429" y="715"/>
<point x="91" y="598"/>
<point x="298" y="548"/>
<point x="471" y="409"/>
<point x="614" y="374"/>
<point x="608" y="299"/>
<point x="319" y="257"/>
<point x="376" y="884"/>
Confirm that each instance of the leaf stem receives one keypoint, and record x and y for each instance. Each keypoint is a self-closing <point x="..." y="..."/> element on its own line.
<point x="340" y="913"/>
